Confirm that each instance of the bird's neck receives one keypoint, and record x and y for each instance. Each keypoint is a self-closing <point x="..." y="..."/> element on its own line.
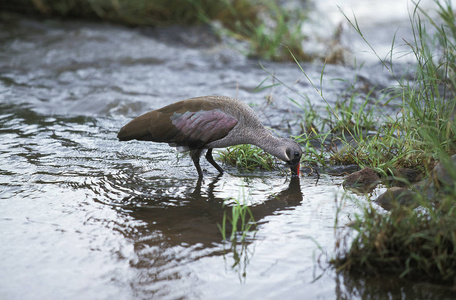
<point x="270" y="144"/>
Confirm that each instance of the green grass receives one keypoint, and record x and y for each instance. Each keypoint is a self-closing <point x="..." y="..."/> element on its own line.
<point x="412" y="242"/>
<point x="240" y="220"/>
<point x="268" y="39"/>
<point x="417" y="243"/>
<point x="247" y="158"/>
<point x="238" y="228"/>
<point x="426" y="117"/>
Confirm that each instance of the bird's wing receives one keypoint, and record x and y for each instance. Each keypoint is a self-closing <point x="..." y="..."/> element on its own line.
<point x="192" y="129"/>
<point x="187" y="123"/>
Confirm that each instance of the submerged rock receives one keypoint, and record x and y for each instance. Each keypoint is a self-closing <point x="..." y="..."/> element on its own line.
<point x="404" y="177"/>
<point x="396" y="196"/>
<point x="363" y="181"/>
<point x="443" y="174"/>
<point x="425" y="187"/>
<point x="439" y="183"/>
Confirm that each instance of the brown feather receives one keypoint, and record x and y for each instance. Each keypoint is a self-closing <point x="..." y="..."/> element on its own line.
<point x="157" y="125"/>
<point x="206" y="123"/>
<point x="137" y="129"/>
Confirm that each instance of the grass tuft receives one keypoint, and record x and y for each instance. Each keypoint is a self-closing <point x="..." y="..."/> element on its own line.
<point x="241" y="221"/>
<point x="247" y="157"/>
<point x="418" y="243"/>
<point x="413" y="242"/>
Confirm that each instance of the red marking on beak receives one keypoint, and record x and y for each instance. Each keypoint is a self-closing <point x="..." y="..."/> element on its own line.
<point x="295" y="169"/>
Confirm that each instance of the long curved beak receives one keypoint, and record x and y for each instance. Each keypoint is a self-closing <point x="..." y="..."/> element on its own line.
<point x="295" y="168"/>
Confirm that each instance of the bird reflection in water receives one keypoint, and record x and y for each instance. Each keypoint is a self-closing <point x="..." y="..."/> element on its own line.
<point x="191" y="221"/>
<point x="195" y="219"/>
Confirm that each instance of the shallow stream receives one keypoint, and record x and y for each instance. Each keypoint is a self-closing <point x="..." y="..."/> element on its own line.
<point x="84" y="216"/>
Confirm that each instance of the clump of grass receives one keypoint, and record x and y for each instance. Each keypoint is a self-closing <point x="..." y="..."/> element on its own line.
<point x="268" y="38"/>
<point x="346" y="116"/>
<point x="427" y="110"/>
<point x="329" y="134"/>
<point x="351" y="117"/>
<point x="383" y="151"/>
<point x="241" y="221"/>
<point x="426" y="126"/>
<point x="418" y="242"/>
<point x="247" y="157"/>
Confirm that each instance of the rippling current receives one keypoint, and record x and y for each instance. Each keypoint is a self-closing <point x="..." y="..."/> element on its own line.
<point x="83" y="216"/>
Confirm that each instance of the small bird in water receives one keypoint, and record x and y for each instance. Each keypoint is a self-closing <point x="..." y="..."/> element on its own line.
<point x="209" y="122"/>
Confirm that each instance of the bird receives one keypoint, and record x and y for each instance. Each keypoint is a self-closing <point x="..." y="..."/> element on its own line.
<point x="208" y="122"/>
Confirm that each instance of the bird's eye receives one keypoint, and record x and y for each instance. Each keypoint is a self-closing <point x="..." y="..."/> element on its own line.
<point x="296" y="154"/>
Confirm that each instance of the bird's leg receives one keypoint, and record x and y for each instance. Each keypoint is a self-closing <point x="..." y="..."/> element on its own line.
<point x="212" y="161"/>
<point x="195" y="155"/>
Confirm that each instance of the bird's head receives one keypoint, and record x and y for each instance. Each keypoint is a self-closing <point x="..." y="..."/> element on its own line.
<point x="293" y="154"/>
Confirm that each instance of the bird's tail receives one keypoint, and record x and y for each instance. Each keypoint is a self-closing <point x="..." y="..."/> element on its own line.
<point x="137" y="129"/>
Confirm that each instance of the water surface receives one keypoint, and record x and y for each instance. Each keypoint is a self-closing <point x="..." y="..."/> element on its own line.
<point x="84" y="216"/>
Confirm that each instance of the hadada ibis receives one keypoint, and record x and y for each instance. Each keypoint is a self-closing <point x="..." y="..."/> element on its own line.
<point x="209" y="122"/>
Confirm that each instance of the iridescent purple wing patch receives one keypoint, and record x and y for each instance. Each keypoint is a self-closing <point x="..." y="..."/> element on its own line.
<point x="204" y="126"/>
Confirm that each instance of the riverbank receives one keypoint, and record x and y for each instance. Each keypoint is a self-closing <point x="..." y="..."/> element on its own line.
<point x="416" y="237"/>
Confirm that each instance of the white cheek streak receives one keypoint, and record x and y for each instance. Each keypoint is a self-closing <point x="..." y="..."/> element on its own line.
<point x="285" y="156"/>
